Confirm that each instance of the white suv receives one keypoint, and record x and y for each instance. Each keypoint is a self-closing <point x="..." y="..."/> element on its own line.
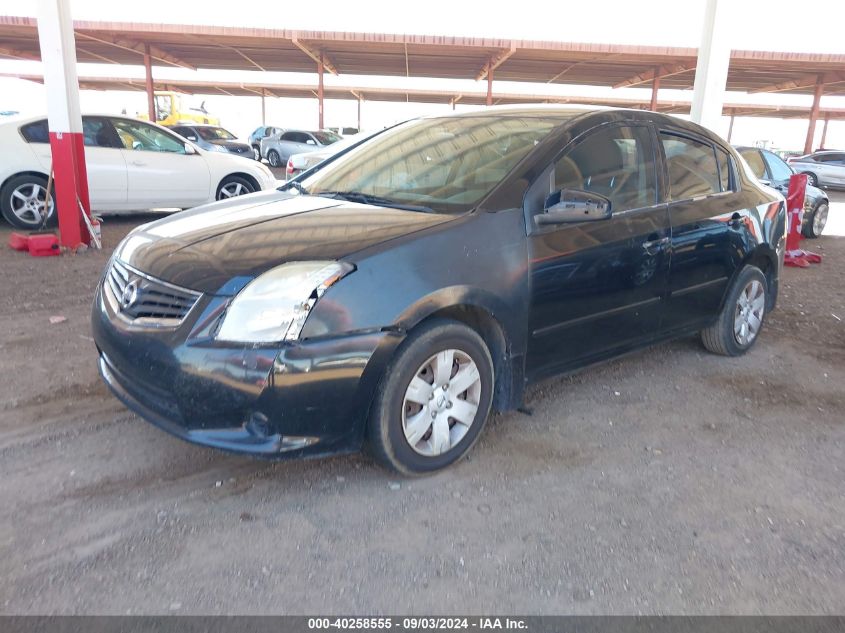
<point x="132" y="165"/>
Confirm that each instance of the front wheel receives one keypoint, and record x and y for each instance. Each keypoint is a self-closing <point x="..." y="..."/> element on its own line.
<point x="256" y="152"/>
<point x="812" y="179"/>
<point x="434" y="399"/>
<point x="233" y="186"/>
<point x="816" y="221"/>
<point x="742" y="316"/>
<point x="23" y="200"/>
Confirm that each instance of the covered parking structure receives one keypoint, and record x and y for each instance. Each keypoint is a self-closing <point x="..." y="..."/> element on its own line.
<point x="369" y="93"/>
<point x="607" y="65"/>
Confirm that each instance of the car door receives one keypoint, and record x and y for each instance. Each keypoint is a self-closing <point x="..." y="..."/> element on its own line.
<point x="597" y="286"/>
<point x="160" y="172"/>
<point x="707" y="217"/>
<point x="105" y="166"/>
<point x="836" y="168"/>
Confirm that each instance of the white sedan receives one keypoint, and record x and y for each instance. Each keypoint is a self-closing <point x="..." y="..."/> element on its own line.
<point x="132" y="166"/>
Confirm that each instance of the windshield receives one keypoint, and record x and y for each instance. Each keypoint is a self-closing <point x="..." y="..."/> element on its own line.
<point x="326" y="138"/>
<point x="215" y="134"/>
<point x="445" y="164"/>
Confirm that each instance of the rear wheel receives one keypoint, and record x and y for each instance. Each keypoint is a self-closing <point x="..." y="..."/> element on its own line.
<point x="274" y="159"/>
<point x="812" y="179"/>
<point x="256" y="152"/>
<point x="22" y="202"/>
<point x="233" y="186"/>
<point x="433" y="401"/>
<point x="816" y="221"/>
<point x="742" y="316"/>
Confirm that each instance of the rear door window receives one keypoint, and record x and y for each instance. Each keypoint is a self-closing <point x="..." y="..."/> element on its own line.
<point x="36" y="132"/>
<point x="691" y="167"/>
<point x="755" y="162"/>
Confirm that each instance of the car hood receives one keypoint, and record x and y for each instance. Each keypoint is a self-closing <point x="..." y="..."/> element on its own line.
<point x="219" y="247"/>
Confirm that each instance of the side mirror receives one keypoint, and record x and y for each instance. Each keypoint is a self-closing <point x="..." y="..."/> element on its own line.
<point x="763" y="181"/>
<point x="574" y="205"/>
<point x="310" y="142"/>
<point x="191" y="138"/>
<point x="189" y="149"/>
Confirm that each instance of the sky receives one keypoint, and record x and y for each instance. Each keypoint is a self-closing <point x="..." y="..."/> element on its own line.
<point x="772" y="25"/>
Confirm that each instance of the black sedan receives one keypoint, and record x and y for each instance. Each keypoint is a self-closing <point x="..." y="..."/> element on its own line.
<point x="397" y="293"/>
<point x="772" y="170"/>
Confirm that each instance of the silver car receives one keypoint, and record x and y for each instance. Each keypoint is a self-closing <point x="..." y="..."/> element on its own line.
<point x="279" y="147"/>
<point x="825" y="168"/>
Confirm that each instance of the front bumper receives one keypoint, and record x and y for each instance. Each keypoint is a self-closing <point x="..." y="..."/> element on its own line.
<point x="304" y="398"/>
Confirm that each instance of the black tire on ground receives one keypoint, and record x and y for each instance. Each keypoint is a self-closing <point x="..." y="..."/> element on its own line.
<point x="816" y="220"/>
<point x="256" y="152"/>
<point x="812" y="179"/>
<point x="233" y="186"/>
<point x="386" y="439"/>
<point x="274" y="159"/>
<point x="720" y="338"/>
<point x="23" y="184"/>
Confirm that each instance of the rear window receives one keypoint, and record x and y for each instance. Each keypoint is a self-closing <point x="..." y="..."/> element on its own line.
<point x="692" y="167"/>
<point x="36" y="132"/>
<point x="755" y="162"/>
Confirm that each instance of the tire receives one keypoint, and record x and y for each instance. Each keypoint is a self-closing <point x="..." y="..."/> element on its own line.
<point x="256" y="152"/>
<point x="274" y="159"/>
<point x="18" y="202"/>
<point x="233" y="186"/>
<point x="725" y="336"/>
<point x="812" y="179"/>
<point x="816" y="220"/>
<point x="390" y="427"/>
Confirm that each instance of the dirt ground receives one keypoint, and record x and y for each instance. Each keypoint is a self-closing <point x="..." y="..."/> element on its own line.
<point x="670" y="481"/>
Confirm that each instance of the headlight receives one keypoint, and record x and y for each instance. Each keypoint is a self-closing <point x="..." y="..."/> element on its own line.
<point x="273" y="307"/>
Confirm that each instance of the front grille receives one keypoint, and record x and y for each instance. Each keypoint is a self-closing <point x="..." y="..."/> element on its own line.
<point x="139" y="297"/>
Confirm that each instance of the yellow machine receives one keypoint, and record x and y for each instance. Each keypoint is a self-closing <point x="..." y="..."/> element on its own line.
<point x="171" y="109"/>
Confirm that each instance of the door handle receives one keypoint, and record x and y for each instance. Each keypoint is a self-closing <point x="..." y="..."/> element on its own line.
<point x="138" y="163"/>
<point x="653" y="246"/>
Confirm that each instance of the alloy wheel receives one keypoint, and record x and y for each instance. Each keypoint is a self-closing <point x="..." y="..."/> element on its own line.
<point x="820" y="219"/>
<point x="441" y="402"/>
<point x="232" y="189"/>
<point x="28" y="201"/>
<point x="748" y="316"/>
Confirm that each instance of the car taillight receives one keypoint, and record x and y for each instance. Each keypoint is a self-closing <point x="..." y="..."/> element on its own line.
<point x="289" y="168"/>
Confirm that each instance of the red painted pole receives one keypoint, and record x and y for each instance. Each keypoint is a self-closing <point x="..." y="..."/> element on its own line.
<point x="824" y="132"/>
<point x="148" y="69"/>
<point x="655" y="86"/>
<point x="731" y="126"/>
<point x="320" y="91"/>
<point x="58" y="57"/>
<point x="489" y="85"/>
<point x="814" y="115"/>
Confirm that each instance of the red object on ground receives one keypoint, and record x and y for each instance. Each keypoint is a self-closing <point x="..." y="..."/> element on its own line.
<point x="795" y="255"/>
<point x="18" y="241"/>
<point x="44" y="245"/>
<point x="71" y="180"/>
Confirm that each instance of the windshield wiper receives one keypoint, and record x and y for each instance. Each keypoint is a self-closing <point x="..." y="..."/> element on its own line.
<point x="296" y="185"/>
<point x="366" y="198"/>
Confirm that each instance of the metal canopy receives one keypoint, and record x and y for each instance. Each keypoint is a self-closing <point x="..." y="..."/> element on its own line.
<point x="236" y="48"/>
<point x="306" y="91"/>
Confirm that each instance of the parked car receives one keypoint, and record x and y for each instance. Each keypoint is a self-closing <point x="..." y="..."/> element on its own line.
<point x="279" y="147"/>
<point x="344" y="131"/>
<point x="770" y="169"/>
<point x="132" y="165"/>
<point x="214" y="139"/>
<point x="258" y="134"/>
<point x="400" y="292"/>
<point x="823" y="169"/>
<point x="298" y="163"/>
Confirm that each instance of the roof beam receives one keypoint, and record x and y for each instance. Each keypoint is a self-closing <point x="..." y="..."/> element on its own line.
<point x="247" y="58"/>
<point x="314" y="53"/>
<point x="13" y="52"/>
<point x="663" y="71"/>
<point x="495" y="61"/>
<point x="806" y="81"/>
<point x="128" y="44"/>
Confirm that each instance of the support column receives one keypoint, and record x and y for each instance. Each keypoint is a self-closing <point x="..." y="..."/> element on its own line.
<point x="58" y="58"/>
<point x="824" y="132"/>
<point x="655" y="86"/>
<point x="320" y="91"/>
<point x="148" y="69"/>
<point x="814" y="114"/>
<point x="359" y="114"/>
<point x="490" y="85"/>
<point x="711" y="71"/>
<point x="263" y="109"/>
<point x="731" y="126"/>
